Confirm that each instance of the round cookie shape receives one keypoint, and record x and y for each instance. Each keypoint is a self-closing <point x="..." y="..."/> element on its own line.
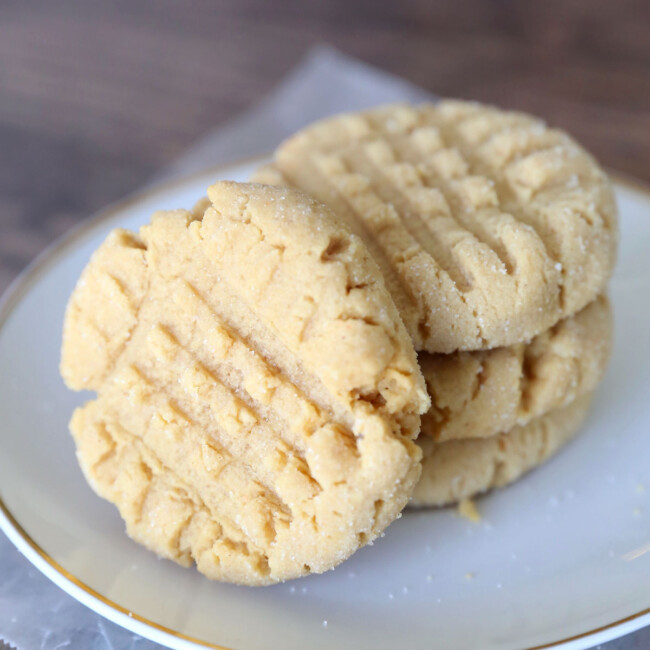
<point x="257" y="392"/>
<point x="489" y="226"/>
<point x="487" y="392"/>
<point x="461" y="469"/>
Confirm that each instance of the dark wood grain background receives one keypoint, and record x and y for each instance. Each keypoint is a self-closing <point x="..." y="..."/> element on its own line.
<point x="95" y="96"/>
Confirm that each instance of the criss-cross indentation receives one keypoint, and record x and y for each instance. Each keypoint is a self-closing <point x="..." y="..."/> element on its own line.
<point x="266" y="389"/>
<point x="488" y="226"/>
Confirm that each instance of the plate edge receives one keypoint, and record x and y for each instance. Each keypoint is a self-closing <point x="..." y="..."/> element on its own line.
<point x="39" y="557"/>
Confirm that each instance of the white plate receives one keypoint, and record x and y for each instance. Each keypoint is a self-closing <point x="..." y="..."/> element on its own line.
<point x="560" y="558"/>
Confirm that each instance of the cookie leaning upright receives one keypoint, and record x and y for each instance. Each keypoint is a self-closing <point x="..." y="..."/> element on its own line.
<point x="257" y="391"/>
<point x="489" y="226"/>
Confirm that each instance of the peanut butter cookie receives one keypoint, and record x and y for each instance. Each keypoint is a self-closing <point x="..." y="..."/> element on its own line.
<point x="483" y="393"/>
<point x="257" y="392"/>
<point x="488" y="226"/>
<point x="461" y="469"/>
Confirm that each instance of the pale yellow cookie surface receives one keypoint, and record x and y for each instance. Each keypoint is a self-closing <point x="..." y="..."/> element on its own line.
<point x="489" y="226"/>
<point x="257" y="392"/>
<point x="460" y="469"/>
<point x="483" y="393"/>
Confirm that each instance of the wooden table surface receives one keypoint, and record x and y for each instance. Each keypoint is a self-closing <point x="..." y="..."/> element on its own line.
<point x="95" y="96"/>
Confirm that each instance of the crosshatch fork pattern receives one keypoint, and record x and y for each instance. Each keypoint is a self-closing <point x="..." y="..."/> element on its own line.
<point x="261" y="432"/>
<point x="489" y="226"/>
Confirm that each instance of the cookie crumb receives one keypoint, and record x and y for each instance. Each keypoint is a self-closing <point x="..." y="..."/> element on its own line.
<point x="470" y="576"/>
<point x="467" y="509"/>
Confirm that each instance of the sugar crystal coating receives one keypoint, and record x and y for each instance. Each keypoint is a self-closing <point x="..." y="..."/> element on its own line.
<point x="482" y="393"/>
<point x="257" y="392"/>
<point x="489" y="227"/>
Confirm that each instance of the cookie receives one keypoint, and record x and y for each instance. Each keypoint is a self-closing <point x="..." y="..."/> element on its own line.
<point x="461" y="469"/>
<point x="489" y="226"/>
<point x="483" y="393"/>
<point x="257" y="392"/>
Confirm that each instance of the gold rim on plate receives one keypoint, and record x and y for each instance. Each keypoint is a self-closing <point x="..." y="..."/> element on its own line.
<point x="25" y="280"/>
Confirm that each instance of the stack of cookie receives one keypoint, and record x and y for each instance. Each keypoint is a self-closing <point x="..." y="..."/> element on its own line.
<point x="408" y="305"/>
<point x="496" y="236"/>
